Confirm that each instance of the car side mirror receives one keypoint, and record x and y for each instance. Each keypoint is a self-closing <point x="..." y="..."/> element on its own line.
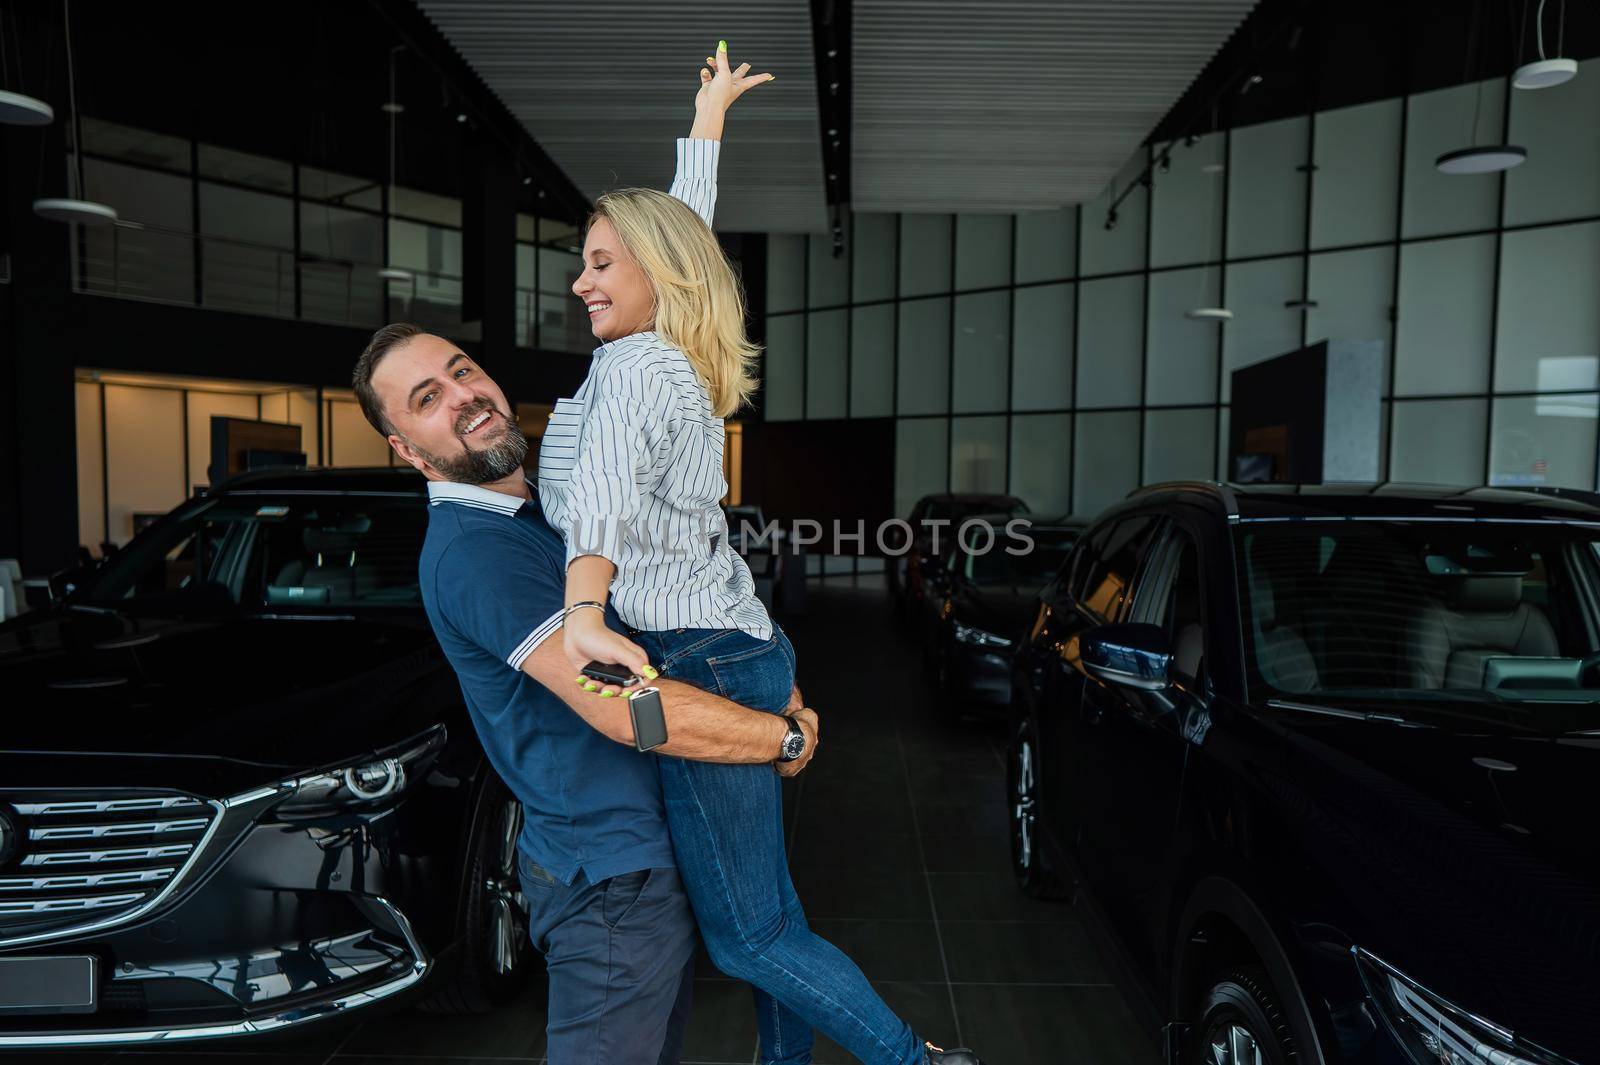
<point x="1133" y="656"/>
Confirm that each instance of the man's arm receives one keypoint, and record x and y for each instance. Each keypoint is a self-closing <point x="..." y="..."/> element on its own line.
<point x="700" y="726"/>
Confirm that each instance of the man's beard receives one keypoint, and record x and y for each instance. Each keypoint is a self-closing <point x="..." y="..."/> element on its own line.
<point x="493" y="463"/>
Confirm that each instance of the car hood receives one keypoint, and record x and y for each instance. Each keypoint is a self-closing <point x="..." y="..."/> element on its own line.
<point x="248" y="691"/>
<point x="1468" y="860"/>
<point x="1003" y="609"/>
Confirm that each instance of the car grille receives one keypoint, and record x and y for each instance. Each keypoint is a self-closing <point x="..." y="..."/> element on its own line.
<point x="74" y="861"/>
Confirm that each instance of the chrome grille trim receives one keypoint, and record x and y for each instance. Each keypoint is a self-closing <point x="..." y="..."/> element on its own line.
<point x="125" y="854"/>
<point x="46" y="809"/>
<point x="87" y="880"/>
<point x="130" y="828"/>
<point x="68" y="905"/>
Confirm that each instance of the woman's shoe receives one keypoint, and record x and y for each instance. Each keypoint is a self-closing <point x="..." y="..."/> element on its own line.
<point x="953" y="1056"/>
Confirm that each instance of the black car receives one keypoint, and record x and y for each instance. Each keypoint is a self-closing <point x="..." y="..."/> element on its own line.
<point x="934" y="521"/>
<point x="1324" y="759"/>
<point x="239" y="791"/>
<point x="979" y="605"/>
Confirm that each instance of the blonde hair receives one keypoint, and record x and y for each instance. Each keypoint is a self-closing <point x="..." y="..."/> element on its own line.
<point x="699" y="308"/>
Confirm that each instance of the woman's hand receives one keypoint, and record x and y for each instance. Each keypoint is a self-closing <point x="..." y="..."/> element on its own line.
<point x="588" y="640"/>
<point x="721" y="86"/>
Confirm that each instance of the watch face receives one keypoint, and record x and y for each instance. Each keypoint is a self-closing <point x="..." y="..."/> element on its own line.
<point x="794" y="743"/>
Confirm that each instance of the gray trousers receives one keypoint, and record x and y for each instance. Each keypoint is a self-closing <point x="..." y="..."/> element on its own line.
<point x="620" y="955"/>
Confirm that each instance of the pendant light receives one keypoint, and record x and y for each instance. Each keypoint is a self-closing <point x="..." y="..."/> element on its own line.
<point x="1206" y="313"/>
<point x="74" y="207"/>
<point x="1544" y="72"/>
<point x="18" y="108"/>
<point x="393" y="107"/>
<point x="1479" y="158"/>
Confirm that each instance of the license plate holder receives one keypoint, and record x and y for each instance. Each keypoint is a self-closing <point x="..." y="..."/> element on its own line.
<point x="49" y="985"/>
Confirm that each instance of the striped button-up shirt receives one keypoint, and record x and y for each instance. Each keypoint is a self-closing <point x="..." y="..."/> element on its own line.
<point x="630" y="468"/>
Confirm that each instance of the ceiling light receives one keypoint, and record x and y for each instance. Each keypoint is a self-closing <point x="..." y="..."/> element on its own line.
<point x="1488" y="159"/>
<point x="527" y="181"/>
<point x="1209" y="314"/>
<point x="19" y="110"/>
<point x="84" y="212"/>
<point x="1543" y="73"/>
<point x="461" y="116"/>
<point x="395" y="273"/>
<point x="392" y="108"/>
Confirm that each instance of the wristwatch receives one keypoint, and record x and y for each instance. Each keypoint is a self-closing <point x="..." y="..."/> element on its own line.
<point x="794" y="744"/>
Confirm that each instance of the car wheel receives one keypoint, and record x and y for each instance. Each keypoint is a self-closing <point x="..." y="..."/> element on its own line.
<point x="1028" y="863"/>
<point x="493" y="954"/>
<point x="1241" y="1023"/>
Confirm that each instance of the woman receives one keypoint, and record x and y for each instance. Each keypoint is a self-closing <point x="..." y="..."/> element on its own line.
<point x="637" y="499"/>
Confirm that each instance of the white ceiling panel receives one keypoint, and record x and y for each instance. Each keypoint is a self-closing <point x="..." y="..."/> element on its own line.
<point x="1007" y="105"/>
<point x="605" y="86"/>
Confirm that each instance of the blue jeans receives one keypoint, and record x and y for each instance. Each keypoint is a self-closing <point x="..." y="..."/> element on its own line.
<point x="727" y="834"/>
<point x="620" y="955"/>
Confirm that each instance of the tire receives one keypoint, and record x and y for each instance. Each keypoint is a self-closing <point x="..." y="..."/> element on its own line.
<point x="1241" y="1022"/>
<point x="1029" y="865"/>
<point x="493" y="955"/>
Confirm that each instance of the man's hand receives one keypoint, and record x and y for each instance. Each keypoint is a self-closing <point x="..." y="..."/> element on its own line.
<point x="806" y="718"/>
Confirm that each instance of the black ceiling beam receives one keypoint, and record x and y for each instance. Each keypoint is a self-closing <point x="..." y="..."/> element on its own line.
<point x="481" y="105"/>
<point x="830" y="40"/>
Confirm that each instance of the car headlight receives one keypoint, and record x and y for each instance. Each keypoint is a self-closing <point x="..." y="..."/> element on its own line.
<point x="979" y="637"/>
<point x="1433" y="1031"/>
<point x="374" y="782"/>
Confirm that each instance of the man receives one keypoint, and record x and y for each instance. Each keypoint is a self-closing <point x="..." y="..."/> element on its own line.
<point x="605" y="904"/>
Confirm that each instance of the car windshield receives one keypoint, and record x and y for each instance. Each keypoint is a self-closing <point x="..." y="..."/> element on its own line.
<point x="268" y="554"/>
<point x="1499" y="616"/>
<point x="1032" y="569"/>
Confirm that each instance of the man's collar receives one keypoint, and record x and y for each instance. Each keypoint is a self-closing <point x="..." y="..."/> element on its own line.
<point x="472" y="495"/>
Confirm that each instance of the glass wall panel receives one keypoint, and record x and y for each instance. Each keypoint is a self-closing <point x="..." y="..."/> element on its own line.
<point x="563" y="325"/>
<point x="1267" y="188"/>
<point x="252" y="270"/>
<point x="786" y="272"/>
<point x="872" y="361"/>
<point x="155" y="263"/>
<point x="426" y="207"/>
<point x="345" y="190"/>
<point x="1178" y="444"/>
<point x="921" y="460"/>
<point x="784" y="387"/>
<point x="983" y="250"/>
<point x="978" y="454"/>
<point x="1041" y="374"/>
<point x="1438" y="441"/>
<point x="1261" y="327"/>
<point x="924" y="254"/>
<point x="829" y="277"/>
<point x="1561" y="177"/>
<point x="1110" y="341"/>
<point x="1105" y="459"/>
<point x="1182" y="351"/>
<point x="1353" y="190"/>
<point x="1353" y="290"/>
<point x="1046" y="245"/>
<point x="923" y="370"/>
<point x="982" y="352"/>
<point x="1122" y="247"/>
<point x="827" y="363"/>
<point x="243" y="168"/>
<point x="129" y="142"/>
<point x="1544" y="440"/>
<point x="1222" y="470"/>
<point x="1446" y="305"/>
<point x="1186" y="213"/>
<point x="1547" y="335"/>
<point x="1439" y="122"/>
<point x="1041" y="462"/>
<point x="872" y="276"/>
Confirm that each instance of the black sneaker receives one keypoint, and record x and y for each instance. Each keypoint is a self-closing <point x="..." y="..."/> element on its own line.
<point x="953" y="1056"/>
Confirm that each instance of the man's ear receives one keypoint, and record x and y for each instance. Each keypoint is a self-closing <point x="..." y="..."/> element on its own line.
<point x="405" y="451"/>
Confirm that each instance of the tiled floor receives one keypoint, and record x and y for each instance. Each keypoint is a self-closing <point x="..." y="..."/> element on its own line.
<point x="899" y="850"/>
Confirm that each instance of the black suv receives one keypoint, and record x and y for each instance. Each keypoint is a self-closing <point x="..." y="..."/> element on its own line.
<point x="238" y="787"/>
<point x="1324" y="759"/>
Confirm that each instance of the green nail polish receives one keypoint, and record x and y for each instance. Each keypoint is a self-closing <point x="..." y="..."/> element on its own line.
<point x="650" y="673"/>
<point x="722" y="46"/>
<point x="607" y="694"/>
<point x="590" y="686"/>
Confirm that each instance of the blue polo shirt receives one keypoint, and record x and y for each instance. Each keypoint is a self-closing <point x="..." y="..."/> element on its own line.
<point x="492" y="573"/>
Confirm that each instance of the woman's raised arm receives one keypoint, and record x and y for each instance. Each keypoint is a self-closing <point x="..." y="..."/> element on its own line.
<point x="695" y="182"/>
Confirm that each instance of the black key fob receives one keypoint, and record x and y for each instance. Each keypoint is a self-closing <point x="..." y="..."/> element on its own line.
<point x="610" y="673"/>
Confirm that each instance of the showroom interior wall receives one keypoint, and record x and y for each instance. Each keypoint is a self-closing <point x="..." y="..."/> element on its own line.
<point x="1051" y="356"/>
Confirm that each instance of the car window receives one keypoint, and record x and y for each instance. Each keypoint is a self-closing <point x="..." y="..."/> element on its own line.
<point x="1110" y="569"/>
<point x="1178" y="610"/>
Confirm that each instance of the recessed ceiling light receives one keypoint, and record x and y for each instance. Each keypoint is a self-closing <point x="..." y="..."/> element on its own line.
<point x="392" y="108"/>
<point x="1489" y="159"/>
<point x="1209" y="314"/>
<point x="461" y="117"/>
<point x="19" y="110"/>
<point x="84" y="212"/>
<point x="1544" y="73"/>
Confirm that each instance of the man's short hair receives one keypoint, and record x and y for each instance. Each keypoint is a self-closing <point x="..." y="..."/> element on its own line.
<point x="383" y="341"/>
